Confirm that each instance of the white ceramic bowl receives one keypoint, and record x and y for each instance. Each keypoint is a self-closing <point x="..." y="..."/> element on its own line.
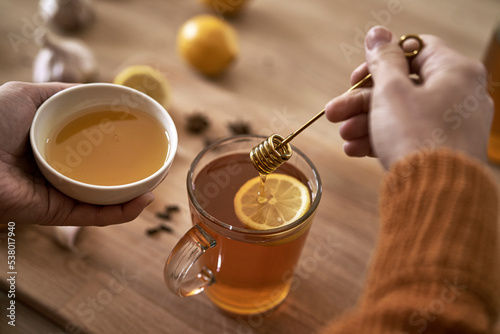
<point x="74" y="99"/>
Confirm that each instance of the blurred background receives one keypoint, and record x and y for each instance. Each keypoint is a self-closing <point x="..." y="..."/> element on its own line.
<point x="292" y="58"/>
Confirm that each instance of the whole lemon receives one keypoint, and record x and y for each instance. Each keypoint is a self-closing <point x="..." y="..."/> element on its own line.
<point x="208" y="43"/>
<point x="225" y="7"/>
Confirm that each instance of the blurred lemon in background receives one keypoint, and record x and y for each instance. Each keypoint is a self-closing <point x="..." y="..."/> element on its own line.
<point x="145" y="79"/>
<point x="225" y="7"/>
<point x="208" y="44"/>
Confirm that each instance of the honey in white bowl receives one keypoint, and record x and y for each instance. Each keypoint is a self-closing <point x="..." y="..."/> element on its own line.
<point x="103" y="147"/>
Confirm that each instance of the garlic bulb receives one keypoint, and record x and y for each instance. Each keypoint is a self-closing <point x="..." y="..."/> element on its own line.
<point x="65" y="60"/>
<point x="67" y="14"/>
<point x="65" y="236"/>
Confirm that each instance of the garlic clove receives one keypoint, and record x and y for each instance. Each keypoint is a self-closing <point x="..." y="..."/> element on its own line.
<point x="65" y="236"/>
<point x="68" y="15"/>
<point x="63" y="59"/>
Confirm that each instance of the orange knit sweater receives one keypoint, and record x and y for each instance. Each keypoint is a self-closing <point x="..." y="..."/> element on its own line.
<point x="436" y="265"/>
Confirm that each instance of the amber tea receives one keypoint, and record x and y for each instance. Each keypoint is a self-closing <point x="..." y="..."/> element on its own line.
<point x="250" y="277"/>
<point x="104" y="147"/>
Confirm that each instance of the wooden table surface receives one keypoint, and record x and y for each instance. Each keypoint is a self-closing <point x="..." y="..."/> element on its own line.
<point x="295" y="56"/>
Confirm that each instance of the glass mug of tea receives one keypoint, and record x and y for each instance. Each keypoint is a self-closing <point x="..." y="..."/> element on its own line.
<point x="244" y="269"/>
<point x="103" y="143"/>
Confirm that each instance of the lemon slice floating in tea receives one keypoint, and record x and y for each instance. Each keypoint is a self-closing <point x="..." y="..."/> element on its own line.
<point x="145" y="79"/>
<point x="285" y="200"/>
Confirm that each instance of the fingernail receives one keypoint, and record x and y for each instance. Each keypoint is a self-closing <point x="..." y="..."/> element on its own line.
<point x="377" y="36"/>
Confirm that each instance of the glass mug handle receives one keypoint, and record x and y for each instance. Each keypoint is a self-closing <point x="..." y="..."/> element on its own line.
<point x="182" y="258"/>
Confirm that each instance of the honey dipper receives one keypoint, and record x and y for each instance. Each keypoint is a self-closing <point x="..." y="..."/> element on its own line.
<point x="276" y="150"/>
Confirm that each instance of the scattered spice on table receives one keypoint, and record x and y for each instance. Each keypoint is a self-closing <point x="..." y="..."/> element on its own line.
<point x="166" y="228"/>
<point x="160" y="227"/>
<point x="240" y="128"/>
<point x="165" y="215"/>
<point x="153" y="230"/>
<point x="197" y="123"/>
<point x="209" y="141"/>
<point x="172" y="208"/>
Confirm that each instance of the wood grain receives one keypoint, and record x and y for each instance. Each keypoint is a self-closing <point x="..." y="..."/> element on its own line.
<point x="293" y="60"/>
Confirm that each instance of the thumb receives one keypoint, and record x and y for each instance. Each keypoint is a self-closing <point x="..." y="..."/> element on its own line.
<point x="385" y="58"/>
<point x="45" y="90"/>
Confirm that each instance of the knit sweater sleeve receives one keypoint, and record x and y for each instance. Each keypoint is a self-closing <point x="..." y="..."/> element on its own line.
<point x="436" y="265"/>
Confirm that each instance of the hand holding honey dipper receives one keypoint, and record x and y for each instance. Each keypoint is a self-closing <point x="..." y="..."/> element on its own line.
<point x="394" y="116"/>
<point x="448" y="106"/>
